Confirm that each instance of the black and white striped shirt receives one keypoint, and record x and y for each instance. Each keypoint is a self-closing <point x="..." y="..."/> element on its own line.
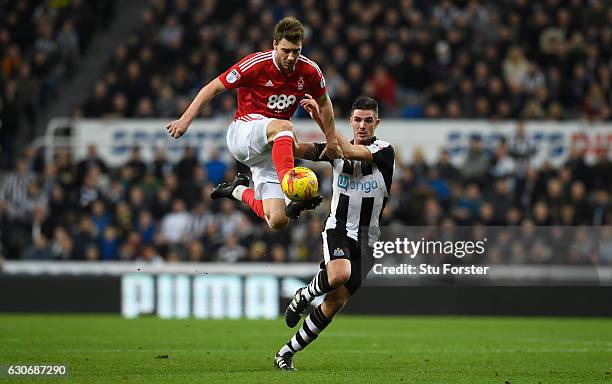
<point x="14" y="191"/>
<point x="360" y="191"/>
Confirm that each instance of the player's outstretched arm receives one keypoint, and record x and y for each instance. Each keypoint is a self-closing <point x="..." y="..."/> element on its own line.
<point x="349" y="151"/>
<point x="353" y="151"/>
<point x="332" y="149"/>
<point x="305" y="151"/>
<point x="178" y="127"/>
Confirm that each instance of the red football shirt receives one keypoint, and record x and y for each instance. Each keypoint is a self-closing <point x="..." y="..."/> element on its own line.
<point x="264" y="89"/>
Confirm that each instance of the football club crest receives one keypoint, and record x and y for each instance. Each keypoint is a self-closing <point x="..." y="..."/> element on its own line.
<point x="338" y="252"/>
<point x="300" y="85"/>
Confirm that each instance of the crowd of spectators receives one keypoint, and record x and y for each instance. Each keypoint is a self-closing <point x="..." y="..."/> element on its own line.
<point x="41" y="43"/>
<point x="158" y="211"/>
<point x="543" y="59"/>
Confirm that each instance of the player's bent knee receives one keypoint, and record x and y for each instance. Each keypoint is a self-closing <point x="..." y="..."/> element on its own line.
<point x="338" y="276"/>
<point x="285" y="125"/>
<point x="278" y="126"/>
<point x="278" y="224"/>
<point x="278" y="221"/>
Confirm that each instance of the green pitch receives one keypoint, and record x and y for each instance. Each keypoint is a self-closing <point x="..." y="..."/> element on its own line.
<point x="109" y="349"/>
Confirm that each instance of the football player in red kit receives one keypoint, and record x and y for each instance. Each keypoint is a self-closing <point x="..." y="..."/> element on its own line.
<point x="270" y="86"/>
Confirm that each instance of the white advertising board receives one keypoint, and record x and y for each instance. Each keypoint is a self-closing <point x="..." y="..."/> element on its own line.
<point x="553" y="140"/>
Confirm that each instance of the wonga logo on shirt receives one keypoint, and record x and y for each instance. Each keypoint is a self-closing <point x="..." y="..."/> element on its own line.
<point x="345" y="182"/>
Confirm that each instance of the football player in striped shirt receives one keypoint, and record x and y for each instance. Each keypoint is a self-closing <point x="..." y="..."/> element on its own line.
<point x="361" y="186"/>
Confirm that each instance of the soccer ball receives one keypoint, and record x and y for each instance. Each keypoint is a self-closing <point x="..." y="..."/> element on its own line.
<point x="300" y="183"/>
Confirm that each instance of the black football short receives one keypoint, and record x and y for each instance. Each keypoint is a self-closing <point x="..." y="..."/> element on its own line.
<point x="337" y="245"/>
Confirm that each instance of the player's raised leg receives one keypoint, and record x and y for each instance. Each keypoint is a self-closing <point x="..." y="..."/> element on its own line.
<point x="280" y="135"/>
<point x="274" y="210"/>
<point x="239" y="190"/>
<point x="249" y="142"/>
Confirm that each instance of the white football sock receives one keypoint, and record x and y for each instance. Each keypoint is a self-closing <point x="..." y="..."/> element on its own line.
<point x="238" y="191"/>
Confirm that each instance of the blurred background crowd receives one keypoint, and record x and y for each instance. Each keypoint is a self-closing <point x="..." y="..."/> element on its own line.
<point x="546" y="59"/>
<point x="509" y="59"/>
<point x="159" y="211"/>
<point x="41" y="44"/>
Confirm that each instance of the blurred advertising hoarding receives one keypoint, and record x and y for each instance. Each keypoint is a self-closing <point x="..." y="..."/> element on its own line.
<point x="552" y="141"/>
<point x="245" y="290"/>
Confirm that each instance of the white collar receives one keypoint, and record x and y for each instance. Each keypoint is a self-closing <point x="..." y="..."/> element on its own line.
<point x="274" y="59"/>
